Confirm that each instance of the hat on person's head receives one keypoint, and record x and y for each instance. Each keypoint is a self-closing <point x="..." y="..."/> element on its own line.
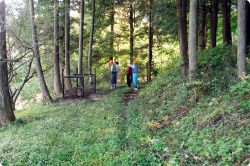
<point x="135" y="62"/>
<point x="111" y="61"/>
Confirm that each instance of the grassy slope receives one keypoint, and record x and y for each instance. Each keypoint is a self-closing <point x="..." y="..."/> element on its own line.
<point x="163" y="125"/>
<point x="84" y="133"/>
<point x="213" y="131"/>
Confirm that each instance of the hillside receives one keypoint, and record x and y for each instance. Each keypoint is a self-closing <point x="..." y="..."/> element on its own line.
<point x="168" y="121"/>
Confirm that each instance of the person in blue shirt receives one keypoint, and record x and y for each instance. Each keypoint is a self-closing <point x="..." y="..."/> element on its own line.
<point x="135" y="71"/>
<point x="117" y="71"/>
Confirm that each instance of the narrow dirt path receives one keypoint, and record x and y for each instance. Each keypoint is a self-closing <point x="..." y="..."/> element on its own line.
<point x="130" y="96"/>
<point x="98" y="96"/>
<point x="90" y="96"/>
<point x="122" y="123"/>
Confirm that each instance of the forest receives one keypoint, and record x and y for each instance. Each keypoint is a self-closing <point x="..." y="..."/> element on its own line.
<point x="184" y="100"/>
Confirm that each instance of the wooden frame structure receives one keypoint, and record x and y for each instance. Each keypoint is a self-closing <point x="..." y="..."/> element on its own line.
<point x="77" y="76"/>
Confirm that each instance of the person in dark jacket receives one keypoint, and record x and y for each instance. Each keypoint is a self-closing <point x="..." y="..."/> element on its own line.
<point x="135" y="71"/>
<point x="129" y="76"/>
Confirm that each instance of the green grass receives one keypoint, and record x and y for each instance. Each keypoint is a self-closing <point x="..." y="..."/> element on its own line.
<point x="112" y="132"/>
<point x="84" y="133"/>
<point x="165" y="125"/>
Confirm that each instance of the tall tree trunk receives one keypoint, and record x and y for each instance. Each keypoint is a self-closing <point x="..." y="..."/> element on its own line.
<point x="226" y="29"/>
<point x="6" y="105"/>
<point x="241" y="50"/>
<point x="91" y="39"/>
<point x="213" y="22"/>
<point x="202" y="25"/>
<point x="131" y="32"/>
<point x="182" y="33"/>
<point x="57" y="78"/>
<point x="39" y="71"/>
<point x="248" y="27"/>
<point x="192" y="40"/>
<point x="67" y="41"/>
<point x="80" y="70"/>
<point x="62" y="36"/>
<point x="112" y="19"/>
<point x="151" y="35"/>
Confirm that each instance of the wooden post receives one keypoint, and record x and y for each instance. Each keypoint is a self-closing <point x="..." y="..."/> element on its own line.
<point x="76" y="77"/>
<point x="95" y="80"/>
<point x="83" y="86"/>
<point x="62" y="84"/>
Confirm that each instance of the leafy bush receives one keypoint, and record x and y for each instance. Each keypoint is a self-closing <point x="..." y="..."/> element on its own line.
<point x="216" y="68"/>
<point x="241" y="91"/>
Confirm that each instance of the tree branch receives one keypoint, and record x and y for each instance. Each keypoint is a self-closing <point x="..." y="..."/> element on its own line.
<point x="27" y="78"/>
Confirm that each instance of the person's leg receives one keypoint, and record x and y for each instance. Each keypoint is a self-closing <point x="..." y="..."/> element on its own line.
<point x="112" y="80"/>
<point x="135" y="77"/>
<point x="131" y="79"/>
<point x="128" y="80"/>
<point x="115" y="79"/>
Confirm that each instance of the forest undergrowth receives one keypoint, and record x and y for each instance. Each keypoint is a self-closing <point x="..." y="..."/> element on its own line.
<point x="170" y="121"/>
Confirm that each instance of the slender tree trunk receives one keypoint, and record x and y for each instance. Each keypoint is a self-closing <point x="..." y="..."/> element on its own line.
<point x="213" y="22"/>
<point x="80" y="70"/>
<point x="6" y="105"/>
<point x="67" y="41"/>
<point x="202" y="25"/>
<point x="91" y="39"/>
<point x="248" y="27"/>
<point x="112" y="19"/>
<point x="57" y="78"/>
<point x="151" y="35"/>
<point x="241" y="50"/>
<point x="62" y="37"/>
<point x="226" y="29"/>
<point x="182" y="33"/>
<point x="39" y="71"/>
<point x="131" y="32"/>
<point x="192" y="40"/>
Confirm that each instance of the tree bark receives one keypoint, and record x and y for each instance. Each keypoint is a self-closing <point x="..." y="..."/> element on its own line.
<point x="43" y="86"/>
<point x="202" y="25"/>
<point x="192" y="40"/>
<point x="226" y="28"/>
<point x="213" y="22"/>
<point x="241" y="50"/>
<point x="112" y="19"/>
<point x="151" y="35"/>
<point x="182" y="33"/>
<point x="67" y="41"/>
<point x="6" y="105"/>
<point x="248" y="27"/>
<point x="131" y="38"/>
<point x="91" y="39"/>
<point x="57" y="78"/>
<point x="80" y="70"/>
<point x="62" y="37"/>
